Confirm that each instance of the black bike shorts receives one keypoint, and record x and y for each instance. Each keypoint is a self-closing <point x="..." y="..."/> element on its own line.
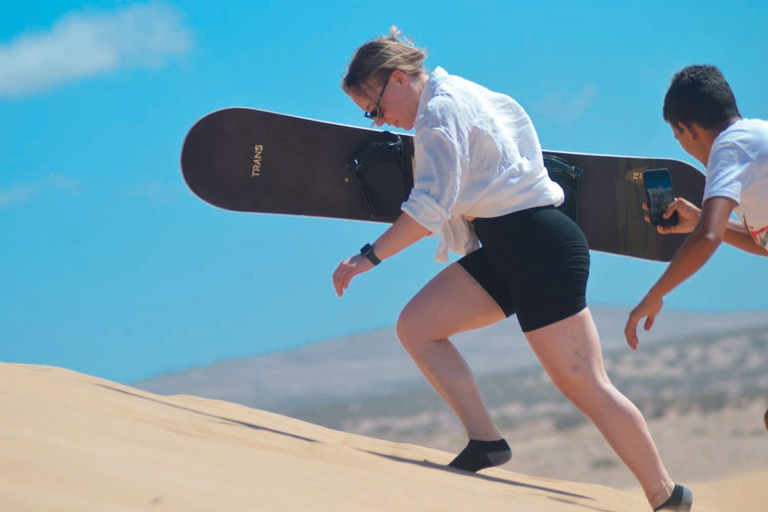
<point x="534" y="263"/>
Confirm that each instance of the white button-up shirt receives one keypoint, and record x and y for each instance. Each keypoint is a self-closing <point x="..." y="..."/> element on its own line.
<point x="477" y="155"/>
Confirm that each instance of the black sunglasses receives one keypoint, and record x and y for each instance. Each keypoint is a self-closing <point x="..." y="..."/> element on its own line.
<point x="375" y="113"/>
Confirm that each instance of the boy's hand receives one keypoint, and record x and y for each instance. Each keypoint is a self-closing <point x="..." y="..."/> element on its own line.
<point x="687" y="213"/>
<point x="648" y="309"/>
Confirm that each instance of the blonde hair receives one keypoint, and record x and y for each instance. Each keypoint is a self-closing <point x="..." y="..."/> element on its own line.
<point x="378" y="58"/>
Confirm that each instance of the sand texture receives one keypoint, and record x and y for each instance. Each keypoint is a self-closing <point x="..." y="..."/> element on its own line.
<point x="71" y="442"/>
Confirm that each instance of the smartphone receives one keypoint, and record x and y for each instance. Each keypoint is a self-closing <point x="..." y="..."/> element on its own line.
<point x="658" y="190"/>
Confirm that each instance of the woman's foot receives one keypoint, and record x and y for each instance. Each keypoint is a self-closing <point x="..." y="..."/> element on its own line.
<point x="482" y="454"/>
<point x="680" y="501"/>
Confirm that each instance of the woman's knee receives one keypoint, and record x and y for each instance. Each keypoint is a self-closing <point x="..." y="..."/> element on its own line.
<point x="585" y="392"/>
<point x="404" y="326"/>
<point x="414" y="326"/>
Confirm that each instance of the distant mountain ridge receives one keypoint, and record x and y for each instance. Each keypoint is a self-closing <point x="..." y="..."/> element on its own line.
<point x="373" y="363"/>
<point x="703" y="397"/>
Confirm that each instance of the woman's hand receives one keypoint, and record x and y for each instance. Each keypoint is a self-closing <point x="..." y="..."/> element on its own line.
<point x="347" y="270"/>
<point x="687" y="213"/>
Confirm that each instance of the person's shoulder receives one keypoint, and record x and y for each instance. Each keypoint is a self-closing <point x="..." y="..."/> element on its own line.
<point x="463" y="89"/>
<point x="438" y="112"/>
<point x="447" y="105"/>
<point x="457" y="95"/>
<point x="756" y="124"/>
<point x="749" y="136"/>
<point x="731" y="138"/>
<point x="745" y="128"/>
<point x="752" y="124"/>
<point x="758" y="128"/>
<point x="744" y="143"/>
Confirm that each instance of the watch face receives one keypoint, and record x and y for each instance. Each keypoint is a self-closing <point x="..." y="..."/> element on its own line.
<point x="367" y="252"/>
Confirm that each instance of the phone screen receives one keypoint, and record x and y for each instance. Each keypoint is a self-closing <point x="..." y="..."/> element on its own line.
<point x="658" y="187"/>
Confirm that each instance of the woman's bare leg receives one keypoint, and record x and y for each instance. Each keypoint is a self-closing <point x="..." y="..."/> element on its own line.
<point x="451" y="303"/>
<point x="569" y="351"/>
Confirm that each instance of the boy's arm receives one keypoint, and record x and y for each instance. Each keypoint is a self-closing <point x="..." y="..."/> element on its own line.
<point x="699" y="246"/>
<point x="737" y="235"/>
<point x="692" y="255"/>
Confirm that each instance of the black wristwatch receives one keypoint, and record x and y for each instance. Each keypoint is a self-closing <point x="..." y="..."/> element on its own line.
<point x="367" y="251"/>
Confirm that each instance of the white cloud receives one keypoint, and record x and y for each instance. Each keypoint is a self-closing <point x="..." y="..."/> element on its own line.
<point x="157" y="193"/>
<point x="87" y="44"/>
<point x="568" y="108"/>
<point x="24" y="192"/>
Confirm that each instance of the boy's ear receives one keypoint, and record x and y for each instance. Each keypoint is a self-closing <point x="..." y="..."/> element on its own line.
<point x="695" y="129"/>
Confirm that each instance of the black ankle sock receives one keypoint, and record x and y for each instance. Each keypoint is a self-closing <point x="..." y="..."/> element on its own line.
<point x="675" y="501"/>
<point x="482" y="454"/>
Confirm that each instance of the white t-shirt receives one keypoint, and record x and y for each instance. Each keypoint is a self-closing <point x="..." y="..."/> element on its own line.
<point x="476" y="154"/>
<point x="737" y="168"/>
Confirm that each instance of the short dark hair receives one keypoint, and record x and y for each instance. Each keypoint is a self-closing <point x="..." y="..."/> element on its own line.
<point x="700" y="94"/>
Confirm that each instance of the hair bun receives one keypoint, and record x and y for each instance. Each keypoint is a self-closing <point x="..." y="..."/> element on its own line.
<point x="374" y="61"/>
<point x="395" y="34"/>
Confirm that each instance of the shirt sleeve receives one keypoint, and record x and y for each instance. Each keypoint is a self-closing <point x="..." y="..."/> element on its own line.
<point x="725" y="172"/>
<point x="437" y="179"/>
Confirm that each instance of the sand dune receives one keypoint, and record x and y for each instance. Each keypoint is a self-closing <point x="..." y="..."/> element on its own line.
<point x="69" y="441"/>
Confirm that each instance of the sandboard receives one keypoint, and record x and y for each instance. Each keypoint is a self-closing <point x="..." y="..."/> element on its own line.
<point x="249" y="160"/>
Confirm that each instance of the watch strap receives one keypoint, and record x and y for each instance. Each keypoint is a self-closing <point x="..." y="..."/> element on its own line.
<point x="367" y="252"/>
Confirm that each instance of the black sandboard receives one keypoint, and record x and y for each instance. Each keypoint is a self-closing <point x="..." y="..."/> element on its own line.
<point x="250" y="160"/>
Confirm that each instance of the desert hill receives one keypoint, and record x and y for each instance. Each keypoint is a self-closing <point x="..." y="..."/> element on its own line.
<point x="72" y="442"/>
<point x="69" y="441"/>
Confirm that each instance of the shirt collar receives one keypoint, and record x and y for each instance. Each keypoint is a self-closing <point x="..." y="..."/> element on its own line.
<point x="436" y="78"/>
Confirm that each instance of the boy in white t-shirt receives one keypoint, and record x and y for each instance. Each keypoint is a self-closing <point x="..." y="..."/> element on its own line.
<point x="701" y="109"/>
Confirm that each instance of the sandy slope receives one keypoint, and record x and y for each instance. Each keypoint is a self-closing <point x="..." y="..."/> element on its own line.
<point x="69" y="441"/>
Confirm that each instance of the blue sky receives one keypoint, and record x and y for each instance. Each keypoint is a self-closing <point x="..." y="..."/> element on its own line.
<point x="110" y="266"/>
